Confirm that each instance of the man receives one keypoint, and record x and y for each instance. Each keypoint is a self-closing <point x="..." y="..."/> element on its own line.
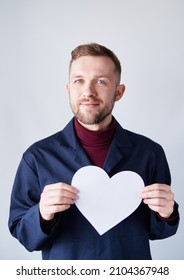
<point x="43" y="215"/>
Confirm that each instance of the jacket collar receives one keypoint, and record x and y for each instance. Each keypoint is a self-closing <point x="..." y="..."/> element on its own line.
<point x="119" y="145"/>
<point x="68" y="138"/>
<point x="121" y="141"/>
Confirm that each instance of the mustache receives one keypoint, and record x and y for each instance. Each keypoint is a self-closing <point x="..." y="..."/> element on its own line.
<point x="90" y="100"/>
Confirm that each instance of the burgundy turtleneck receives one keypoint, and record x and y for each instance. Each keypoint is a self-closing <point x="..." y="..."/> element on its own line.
<point x="95" y="143"/>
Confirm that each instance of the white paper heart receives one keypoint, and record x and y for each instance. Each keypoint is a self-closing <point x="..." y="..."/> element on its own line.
<point x="105" y="201"/>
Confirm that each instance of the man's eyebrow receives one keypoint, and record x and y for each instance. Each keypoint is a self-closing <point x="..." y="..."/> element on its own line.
<point x="77" y="76"/>
<point x="103" y="76"/>
<point x="95" y="77"/>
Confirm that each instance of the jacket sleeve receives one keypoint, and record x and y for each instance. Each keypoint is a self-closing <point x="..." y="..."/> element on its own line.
<point x="24" y="218"/>
<point x="162" y="228"/>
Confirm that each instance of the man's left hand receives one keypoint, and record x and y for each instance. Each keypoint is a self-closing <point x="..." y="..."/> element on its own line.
<point x="159" y="198"/>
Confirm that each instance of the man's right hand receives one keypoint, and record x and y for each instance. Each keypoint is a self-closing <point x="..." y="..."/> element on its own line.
<point x="56" y="198"/>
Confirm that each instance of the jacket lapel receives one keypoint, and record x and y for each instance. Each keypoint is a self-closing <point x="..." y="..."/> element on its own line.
<point x="118" y="146"/>
<point x="69" y="140"/>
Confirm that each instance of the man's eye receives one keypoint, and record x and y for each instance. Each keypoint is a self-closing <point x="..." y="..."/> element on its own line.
<point x="101" y="82"/>
<point x="79" y="81"/>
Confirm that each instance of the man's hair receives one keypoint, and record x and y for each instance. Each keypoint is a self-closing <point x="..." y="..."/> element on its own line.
<point x="94" y="49"/>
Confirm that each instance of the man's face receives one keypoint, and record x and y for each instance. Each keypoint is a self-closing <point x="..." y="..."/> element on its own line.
<point x="93" y="88"/>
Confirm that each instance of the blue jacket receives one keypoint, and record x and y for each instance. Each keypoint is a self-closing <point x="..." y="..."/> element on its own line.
<point x="56" y="159"/>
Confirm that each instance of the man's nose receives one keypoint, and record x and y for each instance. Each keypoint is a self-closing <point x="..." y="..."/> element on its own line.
<point x="89" y="90"/>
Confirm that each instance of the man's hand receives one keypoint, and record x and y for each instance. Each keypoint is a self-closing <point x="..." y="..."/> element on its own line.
<point x="56" y="198"/>
<point x="159" y="198"/>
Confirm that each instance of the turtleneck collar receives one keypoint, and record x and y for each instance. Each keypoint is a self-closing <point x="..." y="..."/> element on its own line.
<point x="95" y="138"/>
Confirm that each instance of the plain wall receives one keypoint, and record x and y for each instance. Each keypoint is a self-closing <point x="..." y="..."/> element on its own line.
<point x="37" y="37"/>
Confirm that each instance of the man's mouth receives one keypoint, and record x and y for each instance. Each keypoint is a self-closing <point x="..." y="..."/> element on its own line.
<point x="89" y="104"/>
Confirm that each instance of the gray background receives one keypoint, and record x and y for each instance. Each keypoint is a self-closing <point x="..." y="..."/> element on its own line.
<point x="37" y="37"/>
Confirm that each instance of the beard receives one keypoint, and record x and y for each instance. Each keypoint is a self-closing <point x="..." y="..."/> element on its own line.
<point x="94" y="115"/>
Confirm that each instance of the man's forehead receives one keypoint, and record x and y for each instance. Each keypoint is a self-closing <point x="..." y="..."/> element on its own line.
<point x="101" y="65"/>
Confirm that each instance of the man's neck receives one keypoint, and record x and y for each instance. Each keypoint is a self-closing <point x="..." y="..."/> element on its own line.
<point x="95" y="143"/>
<point x="102" y="126"/>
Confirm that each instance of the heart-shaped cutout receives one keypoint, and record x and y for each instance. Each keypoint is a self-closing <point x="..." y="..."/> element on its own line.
<point x="105" y="201"/>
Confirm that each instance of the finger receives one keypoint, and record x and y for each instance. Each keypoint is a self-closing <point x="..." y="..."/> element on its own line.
<point x="51" y="198"/>
<point x="158" y="194"/>
<point x="159" y="202"/>
<point x="153" y="187"/>
<point x="58" y="208"/>
<point x="59" y="201"/>
<point x="155" y="202"/>
<point x="61" y="186"/>
<point x="60" y="193"/>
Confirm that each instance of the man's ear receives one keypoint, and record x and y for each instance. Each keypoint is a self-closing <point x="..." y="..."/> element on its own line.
<point x="119" y="92"/>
